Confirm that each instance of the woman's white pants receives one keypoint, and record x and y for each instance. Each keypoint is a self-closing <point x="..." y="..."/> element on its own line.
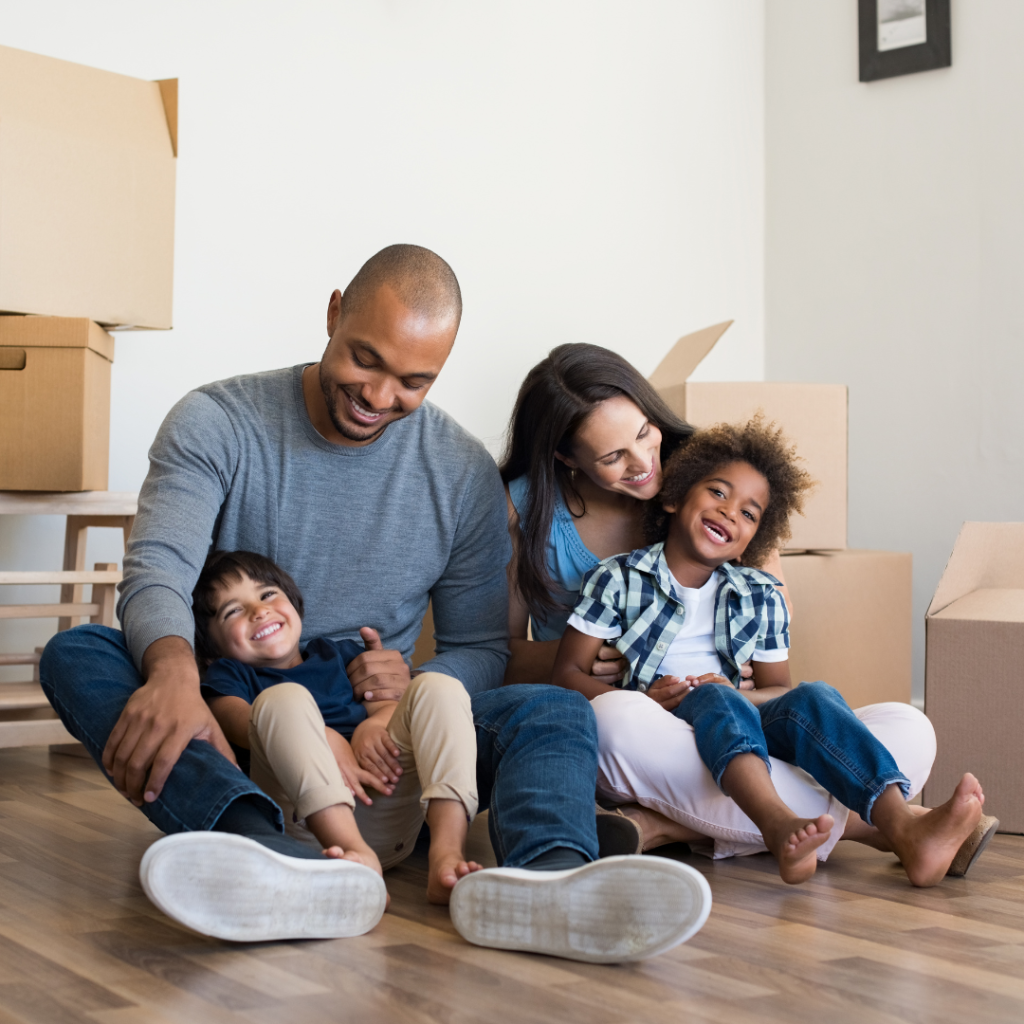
<point x="648" y="756"/>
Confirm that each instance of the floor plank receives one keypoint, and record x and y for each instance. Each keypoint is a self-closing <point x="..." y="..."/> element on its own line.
<point x="79" y="942"/>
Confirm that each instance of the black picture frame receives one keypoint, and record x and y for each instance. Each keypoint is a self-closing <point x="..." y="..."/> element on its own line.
<point x="935" y="53"/>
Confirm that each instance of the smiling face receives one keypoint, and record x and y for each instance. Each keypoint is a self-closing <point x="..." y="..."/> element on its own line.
<point x="619" y="449"/>
<point x="719" y="517"/>
<point x="378" y="367"/>
<point x="255" y="624"/>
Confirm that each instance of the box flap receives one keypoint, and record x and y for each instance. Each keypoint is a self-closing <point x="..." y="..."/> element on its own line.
<point x="986" y="605"/>
<point x="686" y="354"/>
<point x="985" y="556"/>
<point x="55" y="332"/>
<point x="169" y="94"/>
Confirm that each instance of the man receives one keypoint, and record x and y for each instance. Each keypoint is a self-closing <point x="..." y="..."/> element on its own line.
<point x="376" y="503"/>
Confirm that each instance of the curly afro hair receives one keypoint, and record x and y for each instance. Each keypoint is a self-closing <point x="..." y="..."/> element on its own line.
<point x="765" y="448"/>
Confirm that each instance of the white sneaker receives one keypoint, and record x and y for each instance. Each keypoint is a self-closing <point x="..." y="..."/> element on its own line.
<point x="230" y="887"/>
<point x="610" y="911"/>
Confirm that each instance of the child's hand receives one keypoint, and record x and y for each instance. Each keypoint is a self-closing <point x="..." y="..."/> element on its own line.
<point x="708" y="677"/>
<point x="747" y="675"/>
<point x="355" y="777"/>
<point x="375" y="752"/>
<point x="668" y="691"/>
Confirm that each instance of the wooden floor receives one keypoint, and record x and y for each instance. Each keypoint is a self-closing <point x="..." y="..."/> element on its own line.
<point x="79" y="941"/>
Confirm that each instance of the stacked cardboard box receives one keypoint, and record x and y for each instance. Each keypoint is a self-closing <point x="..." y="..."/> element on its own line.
<point x="974" y="633"/>
<point x="852" y="621"/>
<point x="87" y="168"/>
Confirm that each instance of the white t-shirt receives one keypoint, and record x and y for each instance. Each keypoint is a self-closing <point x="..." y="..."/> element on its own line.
<point x="692" y="652"/>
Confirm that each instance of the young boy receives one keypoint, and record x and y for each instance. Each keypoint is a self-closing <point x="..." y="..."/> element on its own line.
<point x="686" y="615"/>
<point x="313" y="747"/>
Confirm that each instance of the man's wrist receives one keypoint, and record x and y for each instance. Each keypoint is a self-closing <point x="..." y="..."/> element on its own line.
<point x="170" y="659"/>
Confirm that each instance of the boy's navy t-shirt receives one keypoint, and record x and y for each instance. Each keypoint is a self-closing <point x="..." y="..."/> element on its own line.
<point x="322" y="672"/>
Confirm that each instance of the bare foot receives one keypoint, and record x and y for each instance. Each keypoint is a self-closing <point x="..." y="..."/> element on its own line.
<point x="365" y="857"/>
<point x="445" y="868"/>
<point x="927" y="843"/>
<point x="860" y="831"/>
<point x="657" y="829"/>
<point x="795" y="844"/>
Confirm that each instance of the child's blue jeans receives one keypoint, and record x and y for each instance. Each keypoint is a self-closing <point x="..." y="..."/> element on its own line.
<point x="811" y="727"/>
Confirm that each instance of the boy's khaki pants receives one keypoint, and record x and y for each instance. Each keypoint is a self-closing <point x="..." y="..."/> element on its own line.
<point x="432" y="728"/>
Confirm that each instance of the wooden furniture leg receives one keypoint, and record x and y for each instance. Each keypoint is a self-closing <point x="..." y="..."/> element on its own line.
<point x="75" y="538"/>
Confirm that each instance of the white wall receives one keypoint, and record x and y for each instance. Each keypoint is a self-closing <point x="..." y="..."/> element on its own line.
<point x="894" y="261"/>
<point x="592" y="170"/>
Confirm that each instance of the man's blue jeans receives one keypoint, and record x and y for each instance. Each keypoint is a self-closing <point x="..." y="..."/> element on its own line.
<point x="536" y="752"/>
<point x="811" y="727"/>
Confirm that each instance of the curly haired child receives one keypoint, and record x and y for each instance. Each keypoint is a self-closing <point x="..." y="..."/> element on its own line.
<point x="690" y="609"/>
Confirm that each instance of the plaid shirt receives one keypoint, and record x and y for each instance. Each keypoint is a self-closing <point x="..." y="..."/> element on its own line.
<point x="636" y="593"/>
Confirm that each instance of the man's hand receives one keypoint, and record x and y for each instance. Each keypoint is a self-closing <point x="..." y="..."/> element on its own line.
<point x="375" y="752"/>
<point x="668" y="691"/>
<point x="377" y="674"/>
<point x="609" y="665"/>
<point x="158" y="722"/>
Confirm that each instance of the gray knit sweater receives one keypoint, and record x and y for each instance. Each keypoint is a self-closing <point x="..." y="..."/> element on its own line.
<point x="368" y="533"/>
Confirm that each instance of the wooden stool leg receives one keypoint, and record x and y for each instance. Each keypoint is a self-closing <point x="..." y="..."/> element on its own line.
<point x="74" y="561"/>
<point x="105" y="595"/>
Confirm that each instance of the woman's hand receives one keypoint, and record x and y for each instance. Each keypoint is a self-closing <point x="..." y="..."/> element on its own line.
<point x="375" y="752"/>
<point x="747" y="676"/>
<point x="354" y="776"/>
<point x="668" y="691"/>
<point x="609" y="665"/>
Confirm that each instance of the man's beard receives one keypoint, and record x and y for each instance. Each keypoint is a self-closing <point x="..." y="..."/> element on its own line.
<point x="346" y="430"/>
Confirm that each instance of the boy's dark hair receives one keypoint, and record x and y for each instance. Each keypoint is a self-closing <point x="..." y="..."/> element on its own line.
<point x="765" y="448"/>
<point x="234" y="565"/>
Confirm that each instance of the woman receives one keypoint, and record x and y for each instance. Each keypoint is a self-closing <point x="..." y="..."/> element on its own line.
<point x="586" y="445"/>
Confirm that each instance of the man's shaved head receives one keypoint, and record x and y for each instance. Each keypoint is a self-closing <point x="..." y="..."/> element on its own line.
<point x="422" y="281"/>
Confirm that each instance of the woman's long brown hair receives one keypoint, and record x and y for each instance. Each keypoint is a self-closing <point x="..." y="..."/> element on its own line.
<point x="555" y="399"/>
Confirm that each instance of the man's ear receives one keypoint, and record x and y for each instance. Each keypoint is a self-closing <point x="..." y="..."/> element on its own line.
<point x="566" y="460"/>
<point x="333" y="312"/>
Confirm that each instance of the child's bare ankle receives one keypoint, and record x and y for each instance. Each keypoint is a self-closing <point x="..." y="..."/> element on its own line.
<point x="927" y="845"/>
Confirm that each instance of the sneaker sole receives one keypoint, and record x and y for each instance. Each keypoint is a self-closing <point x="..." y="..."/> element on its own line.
<point x="230" y="887"/>
<point x="613" y="910"/>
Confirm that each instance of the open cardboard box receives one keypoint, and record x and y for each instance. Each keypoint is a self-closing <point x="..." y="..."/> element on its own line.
<point x="974" y="662"/>
<point x="852" y="622"/>
<point x="54" y="404"/>
<point x="87" y="167"/>
<point x="813" y="417"/>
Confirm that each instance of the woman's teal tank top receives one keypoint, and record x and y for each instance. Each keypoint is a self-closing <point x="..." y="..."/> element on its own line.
<point x="567" y="557"/>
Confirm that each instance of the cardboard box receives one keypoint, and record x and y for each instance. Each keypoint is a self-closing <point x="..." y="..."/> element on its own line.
<point x="813" y="416"/>
<point x="87" y="166"/>
<point x="974" y="634"/>
<point x="54" y="404"/>
<point x="852" y="622"/>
